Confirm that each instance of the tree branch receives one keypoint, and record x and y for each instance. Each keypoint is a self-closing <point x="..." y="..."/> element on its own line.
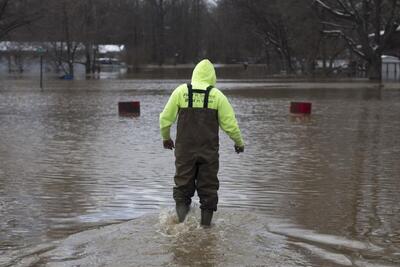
<point x="12" y="25"/>
<point x="392" y="24"/>
<point x="337" y="13"/>
<point x="345" y="7"/>
<point x="327" y="23"/>
<point x="3" y="7"/>
<point x="351" y="43"/>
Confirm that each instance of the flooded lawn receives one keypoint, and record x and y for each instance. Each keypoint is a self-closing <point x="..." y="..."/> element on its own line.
<point x="308" y="191"/>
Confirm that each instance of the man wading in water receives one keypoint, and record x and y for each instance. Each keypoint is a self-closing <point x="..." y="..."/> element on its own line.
<point x="201" y="109"/>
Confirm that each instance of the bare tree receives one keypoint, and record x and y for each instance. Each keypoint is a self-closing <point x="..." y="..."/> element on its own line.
<point x="158" y="10"/>
<point x="270" y="25"/>
<point x="14" y="14"/>
<point x="90" y="32"/>
<point x="134" y="34"/>
<point x="367" y="26"/>
<point x="70" y="30"/>
<point x="180" y="31"/>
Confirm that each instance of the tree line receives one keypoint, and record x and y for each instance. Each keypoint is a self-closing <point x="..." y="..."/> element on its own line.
<point x="286" y="35"/>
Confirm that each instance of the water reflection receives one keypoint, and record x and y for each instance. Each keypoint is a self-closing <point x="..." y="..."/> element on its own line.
<point x="68" y="162"/>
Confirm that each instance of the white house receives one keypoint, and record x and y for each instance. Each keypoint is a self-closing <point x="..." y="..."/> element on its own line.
<point x="390" y="68"/>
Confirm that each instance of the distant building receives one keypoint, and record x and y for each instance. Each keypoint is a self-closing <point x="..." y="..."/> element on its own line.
<point x="337" y="63"/>
<point x="111" y="50"/>
<point x="22" y="57"/>
<point x="390" y="68"/>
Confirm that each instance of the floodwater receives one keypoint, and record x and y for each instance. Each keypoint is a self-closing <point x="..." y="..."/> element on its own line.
<point x="81" y="186"/>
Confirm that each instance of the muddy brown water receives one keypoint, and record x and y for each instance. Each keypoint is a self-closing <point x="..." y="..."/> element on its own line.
<point x="321" y="190"/>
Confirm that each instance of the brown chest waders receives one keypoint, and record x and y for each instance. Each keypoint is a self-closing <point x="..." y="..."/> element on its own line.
<point x="196" y="153"/>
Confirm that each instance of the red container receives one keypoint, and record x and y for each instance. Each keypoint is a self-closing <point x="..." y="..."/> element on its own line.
<point x="300" y="107"/>
<point x="129" y="108"/>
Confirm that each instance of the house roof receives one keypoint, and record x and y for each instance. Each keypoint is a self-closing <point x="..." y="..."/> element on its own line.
<point x="7" y="46"/>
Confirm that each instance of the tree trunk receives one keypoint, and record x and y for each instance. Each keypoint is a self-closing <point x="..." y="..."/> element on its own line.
<point x="267" y="60"/>
<point x="161" y="29"/>
<point x="94" y="56"/>
<point x="71" y="68"/>
<point x="288" y="62"/>
<point x="375" y="68"/>
<point x="88" y="63"/>
<point x="9" y="63"/>
<point x="20" y="63"/>
<point x="290" y="65"/>
<point x="90" y="58"/>
<point x="324" y="57"/>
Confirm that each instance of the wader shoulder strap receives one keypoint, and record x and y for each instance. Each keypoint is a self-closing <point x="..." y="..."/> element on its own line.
<point x="190" y="95"/>
<point x="205" y="92"/>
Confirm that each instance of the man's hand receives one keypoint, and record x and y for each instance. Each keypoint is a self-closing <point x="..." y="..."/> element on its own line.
<point x="239" y="149"/>
<point x="168" y="144"/>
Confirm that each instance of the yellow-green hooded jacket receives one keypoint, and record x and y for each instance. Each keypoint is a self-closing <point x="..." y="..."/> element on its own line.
<point x="203" y="76"/>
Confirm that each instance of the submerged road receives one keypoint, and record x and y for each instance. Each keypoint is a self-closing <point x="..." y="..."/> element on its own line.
<point x="309" y="191"/>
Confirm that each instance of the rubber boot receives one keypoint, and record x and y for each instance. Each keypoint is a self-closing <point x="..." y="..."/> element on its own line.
<point x="182" y="210"/>
<point x="206" y="217"/>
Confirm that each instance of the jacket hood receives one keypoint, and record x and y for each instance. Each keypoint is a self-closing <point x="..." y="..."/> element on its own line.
<point x="204" y="72"/>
